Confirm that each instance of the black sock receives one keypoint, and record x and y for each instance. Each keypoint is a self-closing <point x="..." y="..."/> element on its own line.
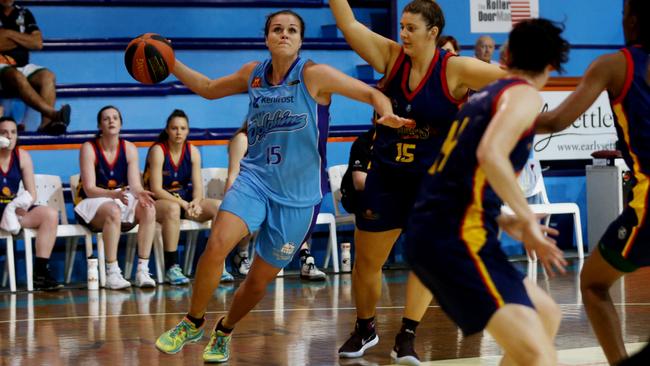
<point x="366" y="327"/>
<point x="196" y="321"/>
<point x="409" y="325"/>
<point x="304" y="253"/>
<point x="171" y="258"/>
<point x="222" y="328"/>
<point x="40" y="266"/>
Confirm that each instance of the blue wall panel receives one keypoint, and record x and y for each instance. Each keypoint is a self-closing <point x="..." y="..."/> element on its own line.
<point x="73" y="67"/>
<point x="108" y="22"/>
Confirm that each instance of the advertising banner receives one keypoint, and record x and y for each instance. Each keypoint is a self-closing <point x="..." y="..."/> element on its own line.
<point x="592" y="131"/>
<point x="498" y="16"/>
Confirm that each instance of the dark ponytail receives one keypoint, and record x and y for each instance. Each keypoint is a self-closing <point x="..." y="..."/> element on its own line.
<point x="164" y="136"/>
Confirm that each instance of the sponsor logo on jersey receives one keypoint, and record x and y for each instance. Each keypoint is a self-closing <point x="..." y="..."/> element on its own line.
<point x="417" y="133"/>
<point x="257" y="82"/>
<point x="261" y="124"/>
<point x="261" y="100"/>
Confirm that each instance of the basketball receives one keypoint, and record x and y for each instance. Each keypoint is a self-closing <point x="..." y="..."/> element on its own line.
<point x="149" y="58"/>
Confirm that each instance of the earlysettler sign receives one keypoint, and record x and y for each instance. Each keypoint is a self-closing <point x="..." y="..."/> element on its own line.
<point x="593" y="131"/>
<point x="498" y="16"/>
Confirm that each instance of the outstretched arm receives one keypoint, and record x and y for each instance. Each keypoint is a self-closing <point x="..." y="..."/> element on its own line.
<point x="605" y="73"/>
<point x="214" y="88"/>
<point x="323" y="81"/>
<point x="377" y="50"/>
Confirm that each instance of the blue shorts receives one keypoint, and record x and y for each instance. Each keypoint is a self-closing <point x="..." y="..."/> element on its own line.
<point x="387" y="199"/>
<point x="282" y="229"/>
<point x="470" y="276"/>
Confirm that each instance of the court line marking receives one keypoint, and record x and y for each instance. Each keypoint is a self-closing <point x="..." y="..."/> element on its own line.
<point x="106" y="316"/>
<point x="587" y="356"/>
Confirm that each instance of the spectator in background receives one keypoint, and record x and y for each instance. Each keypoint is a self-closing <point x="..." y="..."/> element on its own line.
<point x="449" y="43"/>
<point x="34" y="84"/>
<point x="484" y="48"/>
<point x="110" y="197"/>
<point x="17" y="166"/>
<point x="354" y="179"/>
<point x="173" y="174"/>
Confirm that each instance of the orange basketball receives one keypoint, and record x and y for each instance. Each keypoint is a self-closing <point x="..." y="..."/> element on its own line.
<point x="149" y="58"/>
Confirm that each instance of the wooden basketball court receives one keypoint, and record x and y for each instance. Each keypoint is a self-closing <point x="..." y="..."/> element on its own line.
<point x="298" y="323"/>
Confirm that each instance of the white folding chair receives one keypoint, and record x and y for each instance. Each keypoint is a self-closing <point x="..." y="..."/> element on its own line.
<point x="214" y="184"/>
<point x="10" y="270"/>
<point x="547" y="208"/>
<point x="332" y="241"/>
<point x="49" y="192"/>
<point x="336" y="173"/>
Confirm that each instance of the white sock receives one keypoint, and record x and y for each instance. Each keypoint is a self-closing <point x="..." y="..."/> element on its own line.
<point x="143" y="265"/>
<point x="112" y="267"/>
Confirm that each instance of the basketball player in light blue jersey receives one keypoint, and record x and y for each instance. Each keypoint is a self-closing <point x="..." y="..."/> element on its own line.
<point x="282" y="180"/>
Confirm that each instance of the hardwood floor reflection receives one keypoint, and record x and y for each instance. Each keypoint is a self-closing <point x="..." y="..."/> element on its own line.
<point x="298" y="323"/>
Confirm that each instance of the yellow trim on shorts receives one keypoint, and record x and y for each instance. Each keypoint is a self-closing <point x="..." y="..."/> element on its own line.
<point x="474" y="234"/>
<point x="640" y="190"/>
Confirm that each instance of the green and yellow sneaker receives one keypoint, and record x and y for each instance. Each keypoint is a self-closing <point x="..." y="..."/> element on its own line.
<point x="217" y="350"/>
<point x="173" y="340"/>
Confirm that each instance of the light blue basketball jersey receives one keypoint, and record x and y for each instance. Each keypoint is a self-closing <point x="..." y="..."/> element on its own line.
<point x="287" y="137"/>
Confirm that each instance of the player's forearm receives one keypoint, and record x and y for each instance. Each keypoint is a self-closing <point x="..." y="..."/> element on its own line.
<point x="197" y="82"/>
<point x="6" y="44"/>
<point x="501" y="177"/>
<point x="381" y="103"/>
<point x="32" y="41"/>
<point x="342" y="14"/>
<point x="96" y="192"/>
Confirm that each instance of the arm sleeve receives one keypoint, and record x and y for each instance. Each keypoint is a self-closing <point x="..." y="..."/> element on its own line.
<point x="30" y="22"/>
